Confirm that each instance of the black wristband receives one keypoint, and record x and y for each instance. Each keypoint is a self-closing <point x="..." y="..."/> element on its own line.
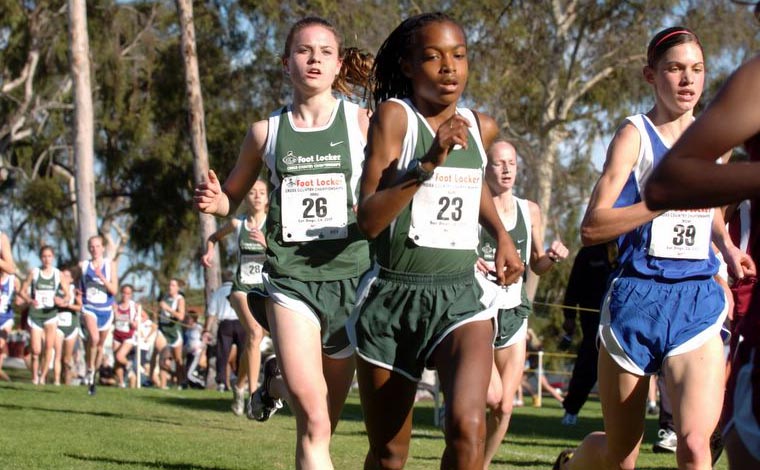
<point x="417" y="173"/>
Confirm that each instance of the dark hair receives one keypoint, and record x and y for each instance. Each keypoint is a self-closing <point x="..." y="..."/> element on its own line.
<point x="357" y="64"/>
<point x="44" y="248"/>
<point x="388" y="81"/>
<point x="666" y="39"/>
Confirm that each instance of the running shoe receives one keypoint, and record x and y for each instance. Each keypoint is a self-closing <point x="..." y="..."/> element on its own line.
<point x="667" y="443"/>
<point x="238" y="401"/>
<point x="562" y="458"/>
<point x="569" y="419"/>
<point x="91" y="378"/>
<point x="261" y="405"/>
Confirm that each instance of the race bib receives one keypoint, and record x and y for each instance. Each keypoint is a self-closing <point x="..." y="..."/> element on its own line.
<point x="96" y="295"/>
<point x="44" y="298"/>
<point x="64" y="319"/>
<point x="445" y="210"/>
<point x="4" y="301"/>
<point x="250" y="268"/>
<point x="314" y="207"/>
<point x="122" y="325"/>
<point x="682" y="234"/>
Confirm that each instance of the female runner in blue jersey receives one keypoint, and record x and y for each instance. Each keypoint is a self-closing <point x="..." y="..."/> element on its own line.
<point x="664" y="310"/>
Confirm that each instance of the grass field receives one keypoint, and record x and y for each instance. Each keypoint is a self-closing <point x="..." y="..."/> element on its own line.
<point x="62" y="427"/>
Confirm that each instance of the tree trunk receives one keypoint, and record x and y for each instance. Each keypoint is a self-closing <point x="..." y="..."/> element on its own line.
<point x="83" y="125"/>
<point x="197" y="126"/>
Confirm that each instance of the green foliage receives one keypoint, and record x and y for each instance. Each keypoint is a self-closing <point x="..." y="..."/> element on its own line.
<point x="528" y="64"/>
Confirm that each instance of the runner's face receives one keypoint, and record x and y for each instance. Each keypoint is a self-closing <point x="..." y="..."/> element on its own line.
<point x="257" y="198"/>
<point x="47" y="257"/>
<point x="679" y="77"/>
<point x="95" y="247"/>
<point x="438" y="66"/>
<point x="501" y="170"/>
<point x="314" y="59"/>
<point x="173" y="287"/>
<point x="126" y="294"/>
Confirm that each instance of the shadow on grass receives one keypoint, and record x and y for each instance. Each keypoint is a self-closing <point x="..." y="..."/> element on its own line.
<point x="143" y="463"/>
<point x="100" y="414"/>
<point x="194" y="403"/>
<point x="28" y="388"/>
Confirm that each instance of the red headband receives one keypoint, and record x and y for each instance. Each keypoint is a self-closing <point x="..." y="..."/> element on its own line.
<point x="673" y="33"/>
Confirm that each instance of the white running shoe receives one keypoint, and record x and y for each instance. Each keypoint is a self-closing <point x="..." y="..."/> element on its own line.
<point x="238" y="401"/>
<point x="667" y="443"/>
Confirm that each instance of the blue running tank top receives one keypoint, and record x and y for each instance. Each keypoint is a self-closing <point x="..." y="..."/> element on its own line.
<point x="674" y="246"/>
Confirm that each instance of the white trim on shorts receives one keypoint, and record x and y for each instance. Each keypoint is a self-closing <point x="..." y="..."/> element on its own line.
<point x="178" y="342"/>
<point x="7" y="324"/>
<point x="743" y="418"/>
<point x="483" y="315"/>
<point x="33" y="325"/>
<point x="519" y="335"/>
<point x="361" y="295"/>
<point x="608" y="339"/>
<point x="298" y="306"/>
<point x="304" y="310"/>
<point x="71" y="335"/>
<point x="94" y="315"/>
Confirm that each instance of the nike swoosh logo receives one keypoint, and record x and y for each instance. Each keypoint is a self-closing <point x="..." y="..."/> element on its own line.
<point x="520" y="241"/>
<point x="333" y="144"/>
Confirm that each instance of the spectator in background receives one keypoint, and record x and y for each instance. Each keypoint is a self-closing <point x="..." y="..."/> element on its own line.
<point x="194" y="348"/>
<point x="229" y="331"/>
<point x="533" y="345"/>
<point x="585" y="288"/>
<point x="147" y="330"/>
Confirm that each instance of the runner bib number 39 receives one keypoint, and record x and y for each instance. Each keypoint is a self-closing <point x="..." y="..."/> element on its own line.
<point x="445" y="209"/>
<point x="314" y="207"/>
<point x="96" y="295"/>
<point x="682" y="234"/>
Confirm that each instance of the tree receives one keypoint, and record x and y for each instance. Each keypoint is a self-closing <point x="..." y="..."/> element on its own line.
<point x="83" y="125"/>
<point x="196" y="122"/>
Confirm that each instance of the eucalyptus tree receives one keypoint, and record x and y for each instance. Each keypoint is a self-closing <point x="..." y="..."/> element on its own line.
<point x="79" y="46"/>
<point x="197" y="129"/>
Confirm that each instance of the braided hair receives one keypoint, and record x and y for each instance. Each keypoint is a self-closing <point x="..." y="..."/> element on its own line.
<point x="357" y="64"/>
<point x="388" y="81"/>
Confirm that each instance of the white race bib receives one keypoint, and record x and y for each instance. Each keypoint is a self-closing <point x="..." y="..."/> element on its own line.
<point x="44" y="298"/>
<point x="314" y="207"/>
<point x="96" y="296"/>
<point x="64" y="318"/>
<point x="4" y="301"/>
<point x="122" y="325"/>
<point x="445" y="209"/>
<point x="250" y="268"/>
<point x="682" y="234"/>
